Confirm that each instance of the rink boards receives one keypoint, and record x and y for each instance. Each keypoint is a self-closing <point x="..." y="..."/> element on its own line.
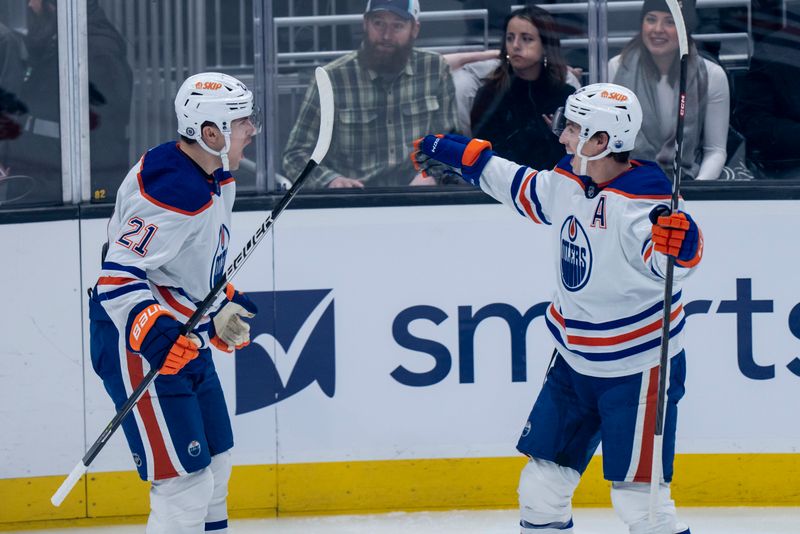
<point x="391" y="331"/>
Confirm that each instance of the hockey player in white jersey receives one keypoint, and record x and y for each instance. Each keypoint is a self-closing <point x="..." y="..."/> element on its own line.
<point x="167" y="243"/>
<point x="612" y="230"/>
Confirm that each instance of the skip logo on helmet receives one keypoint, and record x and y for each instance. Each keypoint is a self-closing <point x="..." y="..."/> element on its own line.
<point x="614" y="96"/>
<point x="211" y="86"/>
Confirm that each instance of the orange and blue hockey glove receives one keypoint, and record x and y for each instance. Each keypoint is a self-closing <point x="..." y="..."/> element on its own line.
<point x="677" y="235"/>
<point x="228" y="330"/>
<point x="470" y="156"/>
<point x="156" y="335"/>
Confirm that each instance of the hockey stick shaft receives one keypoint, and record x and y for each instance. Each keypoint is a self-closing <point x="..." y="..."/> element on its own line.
<point x="656" y="471"/>
<point x="321" y="149"/>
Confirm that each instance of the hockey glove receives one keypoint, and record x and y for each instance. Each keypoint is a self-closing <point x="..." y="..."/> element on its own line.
<point x="678" y="235"/>
<point x="228" y="330"/>
<point x="428" y="166"/>
<point x="156" y="335"/>
<point x="469" y="155"/>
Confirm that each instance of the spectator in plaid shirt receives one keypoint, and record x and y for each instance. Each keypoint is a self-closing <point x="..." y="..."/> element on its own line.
<point x="387" y="94"/>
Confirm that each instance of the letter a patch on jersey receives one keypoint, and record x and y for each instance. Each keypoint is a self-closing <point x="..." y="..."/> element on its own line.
<point x="599" y="219"/>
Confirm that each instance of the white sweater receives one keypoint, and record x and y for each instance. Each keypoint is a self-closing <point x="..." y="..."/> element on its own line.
<point x="715" y="124"/>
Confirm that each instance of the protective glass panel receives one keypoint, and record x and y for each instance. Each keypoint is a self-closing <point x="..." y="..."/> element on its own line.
<point x="139" y="54"/>
<point x="766" y="114"/>
<point x="30" y="146"/>
<point x="390" y="90"/>
<point x="643" y="52"/>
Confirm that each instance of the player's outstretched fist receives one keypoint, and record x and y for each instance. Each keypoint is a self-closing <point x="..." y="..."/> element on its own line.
<point x="678" y="235"/>
<point x="156" y="335"/>
<point x="468" y="155"/>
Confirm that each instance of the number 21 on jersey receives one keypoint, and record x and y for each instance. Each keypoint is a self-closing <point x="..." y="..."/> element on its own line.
<point x="131" y="239"/>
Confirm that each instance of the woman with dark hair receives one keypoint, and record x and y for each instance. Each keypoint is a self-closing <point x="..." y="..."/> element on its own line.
<point x="649" y="65"/>
<point x="513" y="107"/>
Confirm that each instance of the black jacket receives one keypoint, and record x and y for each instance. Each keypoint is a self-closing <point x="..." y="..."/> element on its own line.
<point x="512" y="121"/>
<point x="767" y="108"/>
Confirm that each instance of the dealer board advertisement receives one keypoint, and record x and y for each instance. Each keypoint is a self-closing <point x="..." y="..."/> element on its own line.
<point x="402" y="333"/>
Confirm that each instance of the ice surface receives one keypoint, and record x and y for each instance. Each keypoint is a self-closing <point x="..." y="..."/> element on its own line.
<point x="745" y="520"/>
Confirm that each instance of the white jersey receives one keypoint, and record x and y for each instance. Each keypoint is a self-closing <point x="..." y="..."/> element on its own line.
<point x="168" y="237"/>
<point x="606" y="313"/>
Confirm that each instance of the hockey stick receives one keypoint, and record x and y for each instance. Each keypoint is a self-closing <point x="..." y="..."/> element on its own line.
<point x="323" y="143"/>
<point x="658" y="437"/>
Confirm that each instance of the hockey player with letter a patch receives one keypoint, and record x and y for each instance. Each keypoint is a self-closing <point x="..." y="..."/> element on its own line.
<point x="611" y="233"/>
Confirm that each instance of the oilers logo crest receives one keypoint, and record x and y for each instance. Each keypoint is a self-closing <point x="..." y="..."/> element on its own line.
<point x="218" y="263"/>
<point x="194" y="448"/>
<point x="576" y="255"/>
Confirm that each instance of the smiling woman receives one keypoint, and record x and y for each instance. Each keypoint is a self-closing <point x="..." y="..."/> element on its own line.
<point x="649" y="66"/>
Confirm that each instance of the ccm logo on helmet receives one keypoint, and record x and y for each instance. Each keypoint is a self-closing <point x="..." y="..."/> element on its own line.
<point x="213" y="86"/>
<point x="614" y="96"/>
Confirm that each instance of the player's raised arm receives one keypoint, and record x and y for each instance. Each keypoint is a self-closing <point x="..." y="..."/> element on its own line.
<point x="473" y="159"/>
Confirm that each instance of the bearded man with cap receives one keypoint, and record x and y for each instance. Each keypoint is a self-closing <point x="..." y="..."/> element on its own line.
<point x="612" y="231"/>
<point x="387" y="94"/>
<point x="649" y="65"/>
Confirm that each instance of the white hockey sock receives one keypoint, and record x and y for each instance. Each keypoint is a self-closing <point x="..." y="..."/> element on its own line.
<point x="632" y="503"/>
<point x="179" y="505"/>
<point x="217" y="517"/>
<point x="545" y="497"/>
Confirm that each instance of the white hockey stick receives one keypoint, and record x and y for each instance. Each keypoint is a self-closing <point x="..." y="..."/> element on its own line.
<point x="323" y="143"/>
<point x="658" y="438"/>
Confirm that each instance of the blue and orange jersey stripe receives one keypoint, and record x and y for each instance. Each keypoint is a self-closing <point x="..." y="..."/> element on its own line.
<point x="117" y="280"/>
<point x="615" y="339"/>
<point x="173" y="302"/>
<point x="523" y="193"/>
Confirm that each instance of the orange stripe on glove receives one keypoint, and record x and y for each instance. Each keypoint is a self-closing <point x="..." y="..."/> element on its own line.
<point x="142" y="324"/>
<point x="181" y="351"/>
<point x="474" y="149"/>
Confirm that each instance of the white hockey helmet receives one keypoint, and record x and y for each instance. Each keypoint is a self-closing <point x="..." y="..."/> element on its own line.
<point x="216" y="98"/>
<point x="609" y="108"/>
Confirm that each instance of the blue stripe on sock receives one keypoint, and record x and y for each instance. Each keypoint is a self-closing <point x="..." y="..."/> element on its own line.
<point x="559" y="526"/>
<point x="217" y="525"/>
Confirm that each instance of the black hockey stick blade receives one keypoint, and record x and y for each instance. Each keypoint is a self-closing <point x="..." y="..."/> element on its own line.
<point x="321" y="149"/>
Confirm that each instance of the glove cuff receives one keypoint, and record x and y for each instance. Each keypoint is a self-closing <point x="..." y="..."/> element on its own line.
<point x="219" y="344"/>
<point x="473" y="151"/>
<point x="144" y="321"/>
<point x="230" y="291"/>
